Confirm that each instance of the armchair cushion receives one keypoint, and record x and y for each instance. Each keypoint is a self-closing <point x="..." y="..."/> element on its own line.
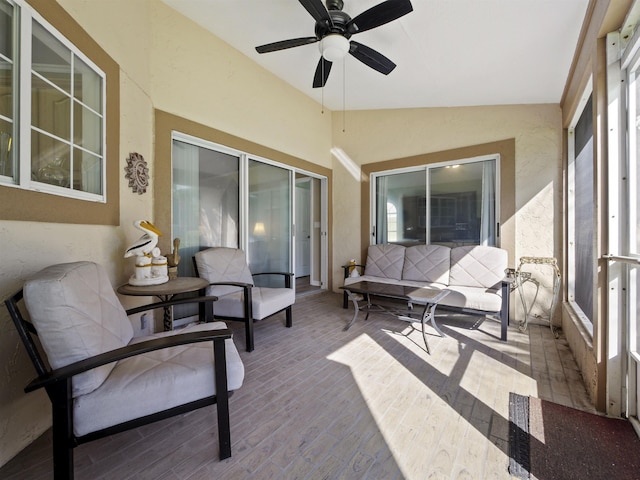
<point x="222" y="264"/>
<point x="77" y="315"/>
<point x="265" y="301"/>
<point x="183" y="374"/>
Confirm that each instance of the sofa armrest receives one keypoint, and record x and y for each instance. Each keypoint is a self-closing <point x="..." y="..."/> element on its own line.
<point x="347" y="267"/>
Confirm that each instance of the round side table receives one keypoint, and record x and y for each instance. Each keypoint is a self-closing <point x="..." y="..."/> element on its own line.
<point x="166" y="291"/>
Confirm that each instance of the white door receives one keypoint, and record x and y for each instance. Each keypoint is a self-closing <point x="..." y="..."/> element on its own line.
<point x="303" y="227"/>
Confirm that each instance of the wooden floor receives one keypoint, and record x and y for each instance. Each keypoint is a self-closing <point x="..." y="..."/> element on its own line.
<point x="321" y="403"/>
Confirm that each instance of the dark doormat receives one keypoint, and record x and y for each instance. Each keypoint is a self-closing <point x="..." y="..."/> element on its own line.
<point x="548" y="441"/>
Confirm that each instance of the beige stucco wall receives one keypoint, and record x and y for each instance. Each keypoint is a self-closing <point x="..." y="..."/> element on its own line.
<point x="169" y="63"/>
<point x="375" y="136"/>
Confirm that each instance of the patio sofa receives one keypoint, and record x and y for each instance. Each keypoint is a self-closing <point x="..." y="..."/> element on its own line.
<point x="474" y="275"/>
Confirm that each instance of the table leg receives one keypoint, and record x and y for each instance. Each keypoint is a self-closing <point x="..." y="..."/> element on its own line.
<point x="167" y="314"/>
<point x="355" y="307"/>
<point x="429" y="315"/>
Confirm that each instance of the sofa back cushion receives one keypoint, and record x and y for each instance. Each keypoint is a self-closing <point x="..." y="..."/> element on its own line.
<point x="385" y="261"/>
<point x="77" y="315"/>
<point x="478" y="266"/>
<point x="223" y="264"/>
<point x="427" y="263"/>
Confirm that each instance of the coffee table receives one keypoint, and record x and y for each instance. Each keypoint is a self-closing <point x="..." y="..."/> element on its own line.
<point x="429" y="297"/>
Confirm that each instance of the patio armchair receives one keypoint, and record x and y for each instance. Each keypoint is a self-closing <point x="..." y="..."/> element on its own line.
<point x="232" y="282"/>
<point x="99" y="378"/>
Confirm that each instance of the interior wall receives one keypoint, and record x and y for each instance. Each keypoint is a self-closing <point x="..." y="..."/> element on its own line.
<point x="197" y="77"/>
<point x="391" y="136"/>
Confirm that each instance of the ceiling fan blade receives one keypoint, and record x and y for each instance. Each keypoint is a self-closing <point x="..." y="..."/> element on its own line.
<point x="294" y="42"/>
<point x="317" y="10"/>
<point x="382" y="13"/>
<point x="322" y="73"/>
<point x="371" y="58"/>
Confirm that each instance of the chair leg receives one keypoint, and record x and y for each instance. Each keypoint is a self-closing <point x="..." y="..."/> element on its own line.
<point x="248" y="333"/>
<point x="62" y="413"/>
<point x="288" y="315"/>
<point x="222" y="398"/>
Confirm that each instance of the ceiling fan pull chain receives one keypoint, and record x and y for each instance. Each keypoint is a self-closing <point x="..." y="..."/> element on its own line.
<point x="344" y="94"/>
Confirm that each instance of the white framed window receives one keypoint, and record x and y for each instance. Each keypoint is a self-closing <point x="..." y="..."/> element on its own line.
<point x="581" y="276"/>
<point x="452" y="203"/>
<point x="52" y="109"/>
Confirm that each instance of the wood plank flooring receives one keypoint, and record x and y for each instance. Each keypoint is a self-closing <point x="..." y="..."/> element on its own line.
<point x="369" y="403"/>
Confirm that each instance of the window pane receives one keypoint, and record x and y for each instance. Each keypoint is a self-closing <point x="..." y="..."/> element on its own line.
<point x="50" y="58"/>
<point x="6" y="149"/>
<point x="87" y="172"/>
<point x="50" y="109"/>
<point x="6" y="89"/>
<point x="50" y="160"/>
<point x="87" y="129"/>
<point x="401" y="198"/>
<point x="6" y="30"/>
<point x="584" y="213"/>
<point x="87" y="86"/>
<point x="462" y="204"/>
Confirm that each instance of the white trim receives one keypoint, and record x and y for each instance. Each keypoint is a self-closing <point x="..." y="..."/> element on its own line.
<point x="426" y="168"/>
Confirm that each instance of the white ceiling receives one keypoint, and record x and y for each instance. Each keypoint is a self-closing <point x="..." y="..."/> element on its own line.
<point x="448" y="52"/>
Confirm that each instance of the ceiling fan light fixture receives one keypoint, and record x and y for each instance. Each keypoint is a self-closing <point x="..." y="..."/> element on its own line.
<point x="334" y="47"/>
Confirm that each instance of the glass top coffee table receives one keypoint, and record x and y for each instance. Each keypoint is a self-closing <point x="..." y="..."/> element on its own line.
<point x="429" y="297"/>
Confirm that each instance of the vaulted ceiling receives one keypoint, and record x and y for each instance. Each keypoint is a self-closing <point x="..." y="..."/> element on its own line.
<point x="448" y="52"/>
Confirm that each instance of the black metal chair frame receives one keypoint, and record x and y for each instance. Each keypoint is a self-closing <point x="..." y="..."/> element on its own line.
<point x="57" y="383"/>
<point x="248" y="309"/>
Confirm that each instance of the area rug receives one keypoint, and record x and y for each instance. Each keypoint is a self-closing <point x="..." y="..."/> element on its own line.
<point x="548" y="441"/>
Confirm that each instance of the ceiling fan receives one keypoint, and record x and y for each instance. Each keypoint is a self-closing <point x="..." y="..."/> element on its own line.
<point x="333" y="30"/>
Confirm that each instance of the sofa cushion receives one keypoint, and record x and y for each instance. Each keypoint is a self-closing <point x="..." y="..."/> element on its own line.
<point x="77" y="315"/>
<point x="427" y="263"/>
<point x="385" y="261"/>
<point x="475" y="298"/>
<point x="477" y="266"/>
<point x="163" y="379"/>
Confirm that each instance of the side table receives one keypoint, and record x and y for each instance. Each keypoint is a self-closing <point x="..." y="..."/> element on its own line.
<point x="166" y="291"/>
<point x="523" y="277"/>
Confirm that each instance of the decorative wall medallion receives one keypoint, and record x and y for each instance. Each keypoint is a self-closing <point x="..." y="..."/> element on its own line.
<point x="137" y="172"/>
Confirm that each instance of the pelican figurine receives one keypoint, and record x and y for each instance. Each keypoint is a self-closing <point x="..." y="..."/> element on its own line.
<point x="146" y="243"/>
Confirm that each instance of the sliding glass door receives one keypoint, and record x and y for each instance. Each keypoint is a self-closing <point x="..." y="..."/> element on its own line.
<point x="447" y="204"/>
<point x="270" y="233"/>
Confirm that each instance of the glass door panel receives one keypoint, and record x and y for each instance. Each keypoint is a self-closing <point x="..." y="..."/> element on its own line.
<point x="205" y="200"/>
<point x="269" y="227"/>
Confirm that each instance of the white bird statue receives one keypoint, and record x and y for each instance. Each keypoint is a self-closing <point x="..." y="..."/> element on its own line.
<point x="147" y="242"/>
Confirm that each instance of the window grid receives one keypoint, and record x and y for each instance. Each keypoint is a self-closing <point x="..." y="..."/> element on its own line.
<point x="74" y="166"/>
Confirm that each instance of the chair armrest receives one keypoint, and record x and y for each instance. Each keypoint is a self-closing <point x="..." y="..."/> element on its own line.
<point x="90" y="363"/>
<point x="233" y="284"/>
<point x="168" y="303"/>
<point x="273" y="273"/>
<point x="287" y="276"/>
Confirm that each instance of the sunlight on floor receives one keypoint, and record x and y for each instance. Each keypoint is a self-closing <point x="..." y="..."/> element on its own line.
<point x="408" y="399"/>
